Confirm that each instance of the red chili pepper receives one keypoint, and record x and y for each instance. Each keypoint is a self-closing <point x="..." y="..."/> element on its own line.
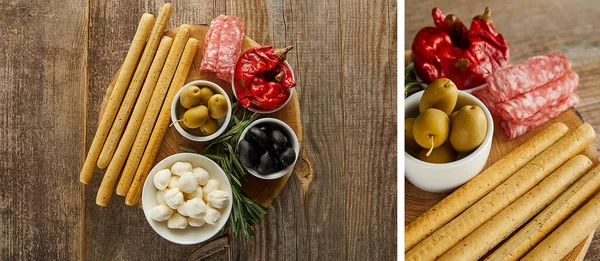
<point x="262" y="79"/>
<point x="450" y="51"/>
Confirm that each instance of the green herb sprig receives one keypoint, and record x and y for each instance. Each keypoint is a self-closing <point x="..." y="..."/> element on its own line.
<point x="411" y="84"/>
<point x="245" y="212"/>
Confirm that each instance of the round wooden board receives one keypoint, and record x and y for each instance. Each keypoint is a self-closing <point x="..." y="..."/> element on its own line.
<point x="417" y="201"/>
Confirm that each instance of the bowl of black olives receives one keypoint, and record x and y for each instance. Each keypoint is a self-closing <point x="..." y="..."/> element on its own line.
<point x="268" y="148"/>
<point x="201" y="110"/>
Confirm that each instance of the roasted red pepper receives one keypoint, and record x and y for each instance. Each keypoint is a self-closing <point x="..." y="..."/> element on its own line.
<point x="450" y="51"/>
<point x="262" y="79"/>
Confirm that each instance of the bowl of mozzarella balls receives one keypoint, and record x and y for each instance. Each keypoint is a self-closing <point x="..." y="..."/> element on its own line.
<point x="187" y="198"/>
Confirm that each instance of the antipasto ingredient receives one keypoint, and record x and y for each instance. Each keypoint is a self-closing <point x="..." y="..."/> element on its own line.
<point x="158" y="96"/>
<point x="180" y="167"/>
<point x="198" y="193"/>
<point x="174" y="183"/>
<point x="258" y="139"/>
<point x="205" y="94"/>
<point x="177" y="221"/>
<point x="196" y="208"/>
<point x="516" y="214"/>
<point x="113" y="105"/>
<point x="212" y="41"/>
<point x="160" y="197"/>
<point x="469" y="128"/>
<point x="450" y="51"/>
<point x="287" y="157"/>
<point x="211" y="186"/>
<point x="562" y="241"/>
<point x="174" y="198"/>
<point x="431" y="128"/>
<point x="465" y="196"/>
<point x="188" y="182"/>
<point x="195" y="117"/>
<point x="526" y="76"/>
<point x="265" y="164"/>
<point x="202" y="176"/>
<point x="441" y="154"/>
<point x="190" y="97"/>
<point x="161" y="213"/>
<point x="196" y="222"/>
<point x="217" y="106"/>
<point x="212" y="215"/>
<point x="248" y="157"/>
<point x="441" y="94"/>
<point x="162" y="123"/>
<point x="411" y="83"/>
<point x="218" y="199"/>
<point x="278" y="138"/>
<point x="182" y="209"/>
<point x="514" y="187"/>
<point x="409" y="139"/>
<point x="162" y="178"/>
<point x="551" y="217"/>
<point x="262" y="79"/>
<point x="222" y="46"/>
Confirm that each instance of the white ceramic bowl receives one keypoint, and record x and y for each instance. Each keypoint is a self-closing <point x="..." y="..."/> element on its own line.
<point x="261" y="111"/>
<point x="194" y="134"/>
<point x="286" y="129"/>
<point x="441" y="178"/>
<point x="189" y="235"/>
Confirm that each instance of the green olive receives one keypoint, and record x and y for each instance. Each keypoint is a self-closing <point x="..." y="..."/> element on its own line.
<point x="217" y="106"/>
<point x="441" y="154"/>
<point x="469" y="128"/>
<point x="209" y="127"/>
<point x="409" y="139"/>
<point x="190" y="97"/>
<point x="205" y="94"/>
<point x="181" y="122"/>
<point x="441" y="94"/>
<point x="431" y="128"/>
<point x="195" y="117"/>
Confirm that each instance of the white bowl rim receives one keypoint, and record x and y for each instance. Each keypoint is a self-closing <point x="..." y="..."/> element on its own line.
<point x="261" y="111"/>
<point x="188" y="135"/>
<point x="472" y="156"/>
<point x="225" y="215"/>
<point x="295" y="146"/>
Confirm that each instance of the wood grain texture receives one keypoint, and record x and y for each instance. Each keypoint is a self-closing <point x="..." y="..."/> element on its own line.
<point x="42" y="94"/>
<point x="533" y="28"/>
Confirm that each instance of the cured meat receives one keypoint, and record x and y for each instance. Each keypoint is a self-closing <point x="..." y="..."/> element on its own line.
<point x="212" y="42"/>
<point x="520" y="108"/>
<point x="513" y="130"/>
<point x="513" y="81"/>
<point x="484" y="96"/>
<point x="232" y="37"/>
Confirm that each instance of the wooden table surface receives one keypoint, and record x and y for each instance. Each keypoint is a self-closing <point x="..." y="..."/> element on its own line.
<point x="533" y="28"/>
<point x="56" y="60"/>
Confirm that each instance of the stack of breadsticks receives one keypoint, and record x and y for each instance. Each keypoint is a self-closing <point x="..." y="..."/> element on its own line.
<point x="136" y="110"/>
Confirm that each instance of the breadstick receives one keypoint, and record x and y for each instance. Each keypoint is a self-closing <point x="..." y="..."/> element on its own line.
<point x="514" y="187"/>
<point x="158" y="96"/>
<point x="133" y="195"/>
<point x="134" y="88"/>
<point x="114" y="168"/>
<point x="516" y="214"/>
<point x="113" y="104"/>
<point x="480" y="185"/>
<point x="109" y="90"/>
<point x="531" y="234"/>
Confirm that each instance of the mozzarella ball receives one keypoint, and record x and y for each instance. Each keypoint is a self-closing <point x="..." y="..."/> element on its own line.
<point x="187" y="182"/>
<point x="195" y="208"/>
<point x="211" y="186"/>
<point x="174" y="183"/>
<point x="212" y="215"/>
<point x="161" y="213"/>
<point x="218" y="199"/>
<point x="201" y="176"/>
<point x="162" y="178"/>
<point x="160" y="197"/>
<point x="181" y="167"/>
<point x="177" y="221"/>
<point x="196" y="222"/>
<point x="181" y="210"/>
<point x="174" y="198"/>
<point x="198" y="193"/>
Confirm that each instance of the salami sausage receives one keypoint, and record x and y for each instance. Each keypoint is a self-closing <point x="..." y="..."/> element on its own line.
<point x="232" y="37"/>
<point x="513" y="81"/>
<point x="520" y="108"/>
<point x="212" y="42"/>
<point x="484" y="96"/>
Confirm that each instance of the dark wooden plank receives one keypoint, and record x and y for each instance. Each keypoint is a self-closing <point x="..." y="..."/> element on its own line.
<point x="42" y="89"/>
<point x="532" y="28"/>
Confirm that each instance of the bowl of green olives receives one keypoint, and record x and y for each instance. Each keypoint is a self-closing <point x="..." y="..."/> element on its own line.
<point x="201" y="110"/>
<point x="268" y="148"/>
<point x="448" y="137"/>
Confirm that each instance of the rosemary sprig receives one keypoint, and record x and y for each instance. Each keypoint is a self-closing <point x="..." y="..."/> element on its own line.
<point x="411" y="83"/>
<point x="245" y="212"/>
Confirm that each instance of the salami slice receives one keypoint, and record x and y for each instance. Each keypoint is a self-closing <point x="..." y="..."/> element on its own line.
<point x="513" y="130"/>
<point x="520" y="108"/>
<point x="232" y="37"/>
<point x="513" y="81"/>
<point x="212" y="42"/>
<point x="484" y="96"/>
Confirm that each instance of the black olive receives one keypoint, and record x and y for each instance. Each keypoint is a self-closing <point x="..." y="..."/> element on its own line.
<point x="275" y="148"/>
<point x="287" y="157"/>
<point x="265" y="164"/>
<point x="248" y="157"/>
<point x="277" y="164"/>
<point x="258" y="139"/>
<point x="265" y="129"/>
<point x="279" y="138"/>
